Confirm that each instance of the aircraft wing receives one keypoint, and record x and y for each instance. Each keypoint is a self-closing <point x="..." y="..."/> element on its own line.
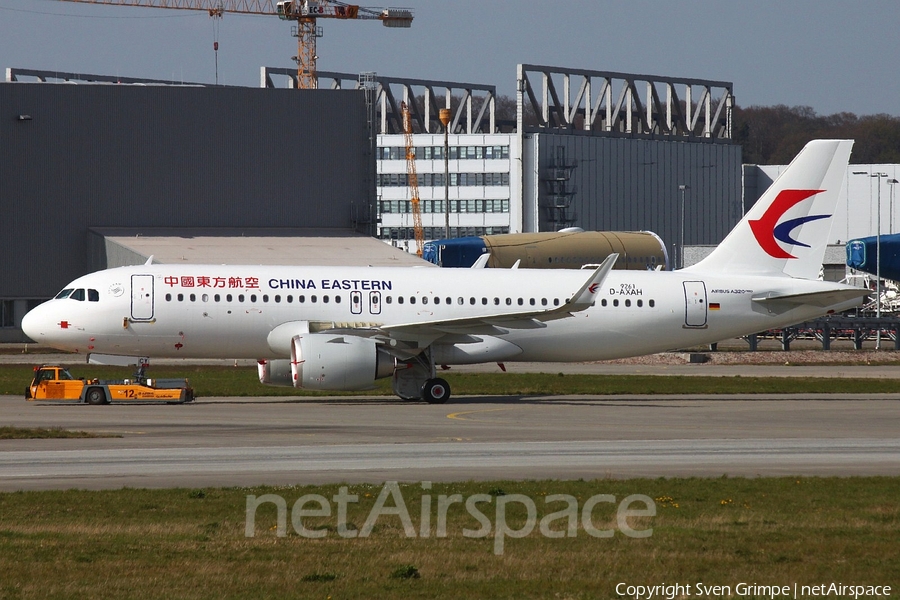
<point x="823" y="299"/>
<point x="494" y="324"/>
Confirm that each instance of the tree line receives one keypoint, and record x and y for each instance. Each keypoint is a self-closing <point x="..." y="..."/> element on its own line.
<point x="773" y="135"/>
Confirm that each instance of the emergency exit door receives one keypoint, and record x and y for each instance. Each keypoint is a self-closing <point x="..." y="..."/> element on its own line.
<point x="142" y="297"/>
<point x="694" y="304"/>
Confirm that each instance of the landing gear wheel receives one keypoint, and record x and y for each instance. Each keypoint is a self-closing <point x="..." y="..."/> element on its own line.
<point x="95" y="396"/>
<point x="436" y="391"/>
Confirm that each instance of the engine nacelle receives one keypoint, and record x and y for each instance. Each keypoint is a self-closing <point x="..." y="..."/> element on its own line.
<point x="275" y="372"/>
<point x="324" y="361"/>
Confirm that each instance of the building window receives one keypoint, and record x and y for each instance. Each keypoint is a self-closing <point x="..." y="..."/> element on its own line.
<point x="7" y="313"/>
<point x="437" y="179"/>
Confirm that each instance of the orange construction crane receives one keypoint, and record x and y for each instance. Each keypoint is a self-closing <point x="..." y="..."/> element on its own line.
<point x="413" y="180"/>
<point x="305" y="12"/>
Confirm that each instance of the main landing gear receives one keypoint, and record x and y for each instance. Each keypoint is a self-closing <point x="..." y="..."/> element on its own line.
<point x="436" y="391"/>
<point x="415" y="381"/>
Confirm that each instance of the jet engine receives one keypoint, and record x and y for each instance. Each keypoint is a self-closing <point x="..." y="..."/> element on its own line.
<point x="275" y="372"/>
<point x="323" y="361"/>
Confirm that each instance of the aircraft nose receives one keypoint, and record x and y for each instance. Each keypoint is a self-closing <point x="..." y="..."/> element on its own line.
<point x="33" y="323"/>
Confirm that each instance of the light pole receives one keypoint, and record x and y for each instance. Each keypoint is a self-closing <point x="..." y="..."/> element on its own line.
<point x="444" y="116"/>
<point x="891" y="182"/>
<point x="879" y="177"/>
<point x="682" y="189"/>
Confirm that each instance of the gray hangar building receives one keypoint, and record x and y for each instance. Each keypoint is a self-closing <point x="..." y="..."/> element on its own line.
<point x="80" y="161"/>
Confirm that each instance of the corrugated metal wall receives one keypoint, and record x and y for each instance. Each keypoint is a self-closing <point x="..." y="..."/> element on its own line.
<point x="632" y="184"/>
<point x="163" y="156"/>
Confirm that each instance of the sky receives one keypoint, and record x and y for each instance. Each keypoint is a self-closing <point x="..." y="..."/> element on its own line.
<point x="832" y="55"/>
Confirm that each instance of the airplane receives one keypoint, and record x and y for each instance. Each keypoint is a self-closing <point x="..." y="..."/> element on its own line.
<point x="342" y="328"/>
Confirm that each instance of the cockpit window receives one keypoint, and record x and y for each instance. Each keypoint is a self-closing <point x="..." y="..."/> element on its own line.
<point x="93" y="296"/>
<point x="77" y="295"/>
<point x="64" y="294"/>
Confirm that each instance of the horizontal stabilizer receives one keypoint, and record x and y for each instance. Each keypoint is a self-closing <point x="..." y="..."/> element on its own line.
<point x="823" y="299"/>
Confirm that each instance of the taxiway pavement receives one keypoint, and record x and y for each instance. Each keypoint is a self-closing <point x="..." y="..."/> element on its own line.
<point x="249" y="441"/>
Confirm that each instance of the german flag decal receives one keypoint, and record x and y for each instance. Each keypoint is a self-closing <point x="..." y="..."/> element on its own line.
<point x="713" y="306"/>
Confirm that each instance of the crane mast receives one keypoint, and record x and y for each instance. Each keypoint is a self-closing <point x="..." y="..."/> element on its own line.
<point x="305" y="12"/>
<point x="413" y="177"/>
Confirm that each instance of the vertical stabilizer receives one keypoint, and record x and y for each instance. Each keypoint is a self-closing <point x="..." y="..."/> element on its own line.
<point x="787" y="229"/>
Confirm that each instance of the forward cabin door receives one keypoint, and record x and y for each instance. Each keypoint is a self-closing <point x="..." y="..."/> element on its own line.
<point x="694" y="304"/>
<point x="142" y="297"/>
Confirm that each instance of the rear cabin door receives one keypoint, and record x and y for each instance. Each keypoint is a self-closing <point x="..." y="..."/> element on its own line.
<point x="694" y="304"/>
<point x="142" y="297"/>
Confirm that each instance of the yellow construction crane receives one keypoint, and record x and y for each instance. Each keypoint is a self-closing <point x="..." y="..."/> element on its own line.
<point x="413" y="180"/>
<point x="305" y="12"/>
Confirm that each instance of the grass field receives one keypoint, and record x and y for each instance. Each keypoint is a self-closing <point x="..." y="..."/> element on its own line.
<point x="242" y="381"/>
<point x="191" y="543"/>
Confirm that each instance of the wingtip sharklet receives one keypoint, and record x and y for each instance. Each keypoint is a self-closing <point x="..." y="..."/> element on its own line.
<point x="584" y="297"/>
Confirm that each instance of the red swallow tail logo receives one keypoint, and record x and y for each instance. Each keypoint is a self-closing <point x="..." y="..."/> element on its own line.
<point x="768" y="231"/>
<point x="593" y="288"/>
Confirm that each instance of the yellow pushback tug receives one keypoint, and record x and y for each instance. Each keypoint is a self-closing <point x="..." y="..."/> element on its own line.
<point x="53" y="382"/>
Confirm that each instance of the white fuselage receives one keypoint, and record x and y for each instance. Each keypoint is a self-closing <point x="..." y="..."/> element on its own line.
<point x="222" y="311"/>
